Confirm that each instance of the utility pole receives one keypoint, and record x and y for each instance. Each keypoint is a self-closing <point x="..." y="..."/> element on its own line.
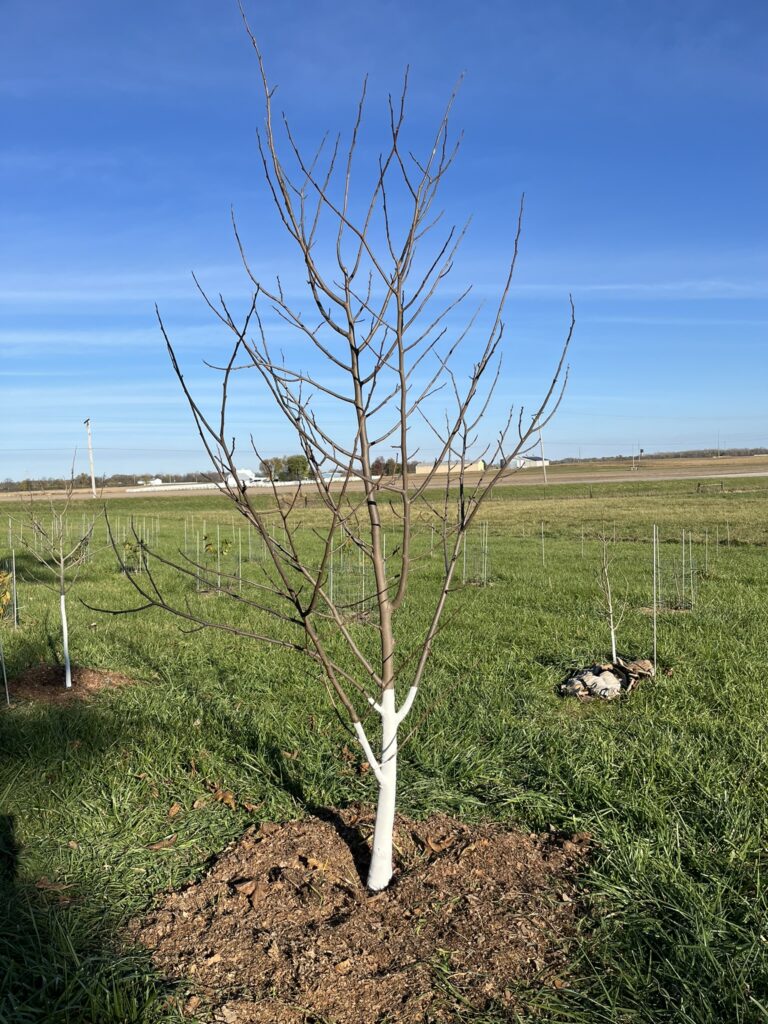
<point x="90" y="456"/>
<point x="543" y="462"/>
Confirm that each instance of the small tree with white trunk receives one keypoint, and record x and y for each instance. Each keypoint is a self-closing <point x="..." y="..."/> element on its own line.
<point x="379" y="351"/>
<point x="60" y="552"/>
<point x="613" y="610"/>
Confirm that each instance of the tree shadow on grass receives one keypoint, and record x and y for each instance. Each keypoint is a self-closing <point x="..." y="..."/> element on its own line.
<point x="60" y="960"/>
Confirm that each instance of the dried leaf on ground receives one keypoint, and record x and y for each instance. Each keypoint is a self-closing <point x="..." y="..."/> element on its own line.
<point x="163" y="844"/>
<point x="49" y="886"/>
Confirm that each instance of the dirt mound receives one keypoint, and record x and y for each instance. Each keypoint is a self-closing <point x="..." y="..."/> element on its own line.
<point x="45" y="683"/>
<point x="282" y="930"/>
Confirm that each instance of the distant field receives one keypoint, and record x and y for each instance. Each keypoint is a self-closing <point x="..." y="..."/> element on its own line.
<point x="573" y="472"/>
<point x="672" y="783"/>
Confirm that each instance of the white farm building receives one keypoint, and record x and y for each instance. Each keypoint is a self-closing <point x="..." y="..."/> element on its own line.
<point x="527" y="462"/>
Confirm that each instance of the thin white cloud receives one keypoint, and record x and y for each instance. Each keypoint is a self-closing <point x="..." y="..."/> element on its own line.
<point x="666" y="290"/>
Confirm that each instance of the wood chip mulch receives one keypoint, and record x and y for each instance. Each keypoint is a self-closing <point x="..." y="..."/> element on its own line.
<point x="282" y="930"/>
<point x="45" y="684"/>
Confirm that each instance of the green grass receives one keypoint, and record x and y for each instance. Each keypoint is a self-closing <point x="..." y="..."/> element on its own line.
<point x="672" y="783"/>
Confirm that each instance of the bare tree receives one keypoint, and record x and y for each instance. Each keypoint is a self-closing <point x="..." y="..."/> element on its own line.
<point x="614" y="612"/>
<point x="60" y="552"/>
<point x="381" y="354"/>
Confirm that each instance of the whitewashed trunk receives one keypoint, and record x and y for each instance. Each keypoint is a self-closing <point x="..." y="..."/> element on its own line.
<point x="380" y="871"/>
<point x="65" y="639"/>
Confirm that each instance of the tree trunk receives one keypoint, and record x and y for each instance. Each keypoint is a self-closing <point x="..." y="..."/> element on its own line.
<point x="380" y="871"/>
<point x="65" y="638"/>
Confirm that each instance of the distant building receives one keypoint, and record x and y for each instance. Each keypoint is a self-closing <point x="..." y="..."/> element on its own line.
<point x="527" y="462"/>
<point x="246" y="477"/>
<point x="155" y="482"/>
<point x="422" y="468"/>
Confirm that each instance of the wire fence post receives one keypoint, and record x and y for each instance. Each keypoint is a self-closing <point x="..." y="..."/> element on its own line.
<point x="218" y="556"/>
<point x="5" y="677"/>
<point x="543" y="556"/>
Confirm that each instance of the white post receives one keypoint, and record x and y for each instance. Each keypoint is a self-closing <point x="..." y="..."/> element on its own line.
<point x="543" y="462"/>
<point x="14" y="593"/>
<point x="655" y="590"/>
<point x="380" y="871"/>
<point x="90" y="457"/>
<point x="65" y="639"/>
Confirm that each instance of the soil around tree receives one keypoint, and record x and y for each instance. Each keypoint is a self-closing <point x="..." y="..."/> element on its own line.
<point x="45" y="684"/>
<point x="281" y="930"/>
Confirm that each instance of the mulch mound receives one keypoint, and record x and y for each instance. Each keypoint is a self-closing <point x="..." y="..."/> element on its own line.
<point x="45" y="684"/>
<point x="282" y="930"/>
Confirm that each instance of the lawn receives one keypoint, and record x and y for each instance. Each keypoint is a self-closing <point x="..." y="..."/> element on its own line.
<point x="672" y="782"/>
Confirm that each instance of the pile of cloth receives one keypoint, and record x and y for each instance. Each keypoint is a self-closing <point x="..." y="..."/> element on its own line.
<point x="606" y="682"/>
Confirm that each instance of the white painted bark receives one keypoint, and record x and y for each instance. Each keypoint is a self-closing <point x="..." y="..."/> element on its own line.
<point x="65" y="638"/>
<point x="380" y="871"/>
<point x="609" y="603"/>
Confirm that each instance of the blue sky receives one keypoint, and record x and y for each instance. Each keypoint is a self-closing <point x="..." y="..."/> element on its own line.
<point x="636" y="130"/>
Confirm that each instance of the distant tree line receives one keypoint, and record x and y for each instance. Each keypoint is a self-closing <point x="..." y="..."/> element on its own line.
<point x="389" y="467"/>
<point x="49" y="483"/>
<point x="296" y="467"/>
<point x="285" y="467"/>
<point x="694" y="453"/>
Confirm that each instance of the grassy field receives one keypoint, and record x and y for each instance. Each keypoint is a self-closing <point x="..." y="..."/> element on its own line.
<point x="672" y="782"/>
